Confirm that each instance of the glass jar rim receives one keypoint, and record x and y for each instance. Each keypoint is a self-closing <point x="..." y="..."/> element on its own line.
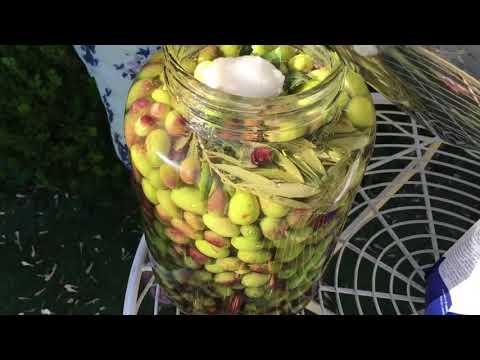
<point x="219" y="100"/>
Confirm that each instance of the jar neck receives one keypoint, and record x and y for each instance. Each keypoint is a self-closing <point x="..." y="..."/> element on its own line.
<point x="209" y="110"/>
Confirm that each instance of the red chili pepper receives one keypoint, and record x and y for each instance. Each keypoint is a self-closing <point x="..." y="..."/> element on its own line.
<point x="235" y="303"/>
<point x="261" y="156"/>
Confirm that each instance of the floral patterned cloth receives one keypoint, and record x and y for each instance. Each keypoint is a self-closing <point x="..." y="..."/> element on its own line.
<point x="114" y="68"/>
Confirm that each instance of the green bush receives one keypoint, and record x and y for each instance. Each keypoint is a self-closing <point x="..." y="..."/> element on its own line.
<point x="53" y="126"/>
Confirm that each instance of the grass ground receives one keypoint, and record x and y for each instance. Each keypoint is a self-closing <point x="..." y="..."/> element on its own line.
<point x="61" y="251"/>
<point x="61" y="254"/>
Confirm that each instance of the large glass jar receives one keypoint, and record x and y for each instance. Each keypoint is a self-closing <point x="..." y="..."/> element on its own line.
<point x="243" y="198"/>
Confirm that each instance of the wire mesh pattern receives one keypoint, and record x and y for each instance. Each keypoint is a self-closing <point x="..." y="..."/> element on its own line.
<point x="418" y="197"/>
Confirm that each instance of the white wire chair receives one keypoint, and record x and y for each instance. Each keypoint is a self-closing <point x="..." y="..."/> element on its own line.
<point x="418" y="197"/>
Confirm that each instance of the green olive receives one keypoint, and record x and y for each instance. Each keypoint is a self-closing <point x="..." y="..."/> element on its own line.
<point x="168" y="175"/>
<point x="223" y="291"/>
<point x="272" y="227"/>
<point x="229" y="263"/>
<point x="361" y="112"/>
<point x="161" y="96"/>
<point x="355" y="85"/>
<point x="343" y="100"/>
<point x="225" y="277"/>
<point x="189" y="199"/>
<point x="167" y="205"/>
<point x="210" y="250"/>
<point x="282" y="53"/>
<point x="140" y="89"/>
<point x="272" y="209"/>
<point x="246" y="243"/>
<point x="320" y="74"/>
<point x="301" y="62"/>
<point x="149" y="191"/>
<point x="255" y="279"/>
<point x="140" y="160"/>
<point x="150" y="71"/>
<point x="221" y="225"/>
<point x="155" y="178"/>
<point x="310" y="84"/>
<point x="157" y="145"/>
<point x="286" y="133"/>
<point x="254" y="292"/>
<point x="254" y="257"/>
<point x="214" y="268"/>
<point x="230" y="50"/>
<point x="251" y="231"/>
<point x="243" y="208"/>
<point x="261" y="50"/>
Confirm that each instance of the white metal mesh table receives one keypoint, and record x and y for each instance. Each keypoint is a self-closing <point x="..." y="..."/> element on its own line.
<point x="418" y="197"/>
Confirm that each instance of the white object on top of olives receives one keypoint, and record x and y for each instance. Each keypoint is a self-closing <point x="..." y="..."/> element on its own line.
<point x="248" y="76"/>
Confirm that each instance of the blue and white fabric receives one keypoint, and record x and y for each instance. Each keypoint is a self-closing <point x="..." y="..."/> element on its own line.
<point x="114" y="67"/>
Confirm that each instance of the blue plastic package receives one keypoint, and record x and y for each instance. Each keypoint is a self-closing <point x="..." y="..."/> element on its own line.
<point x="453" y="284"/>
